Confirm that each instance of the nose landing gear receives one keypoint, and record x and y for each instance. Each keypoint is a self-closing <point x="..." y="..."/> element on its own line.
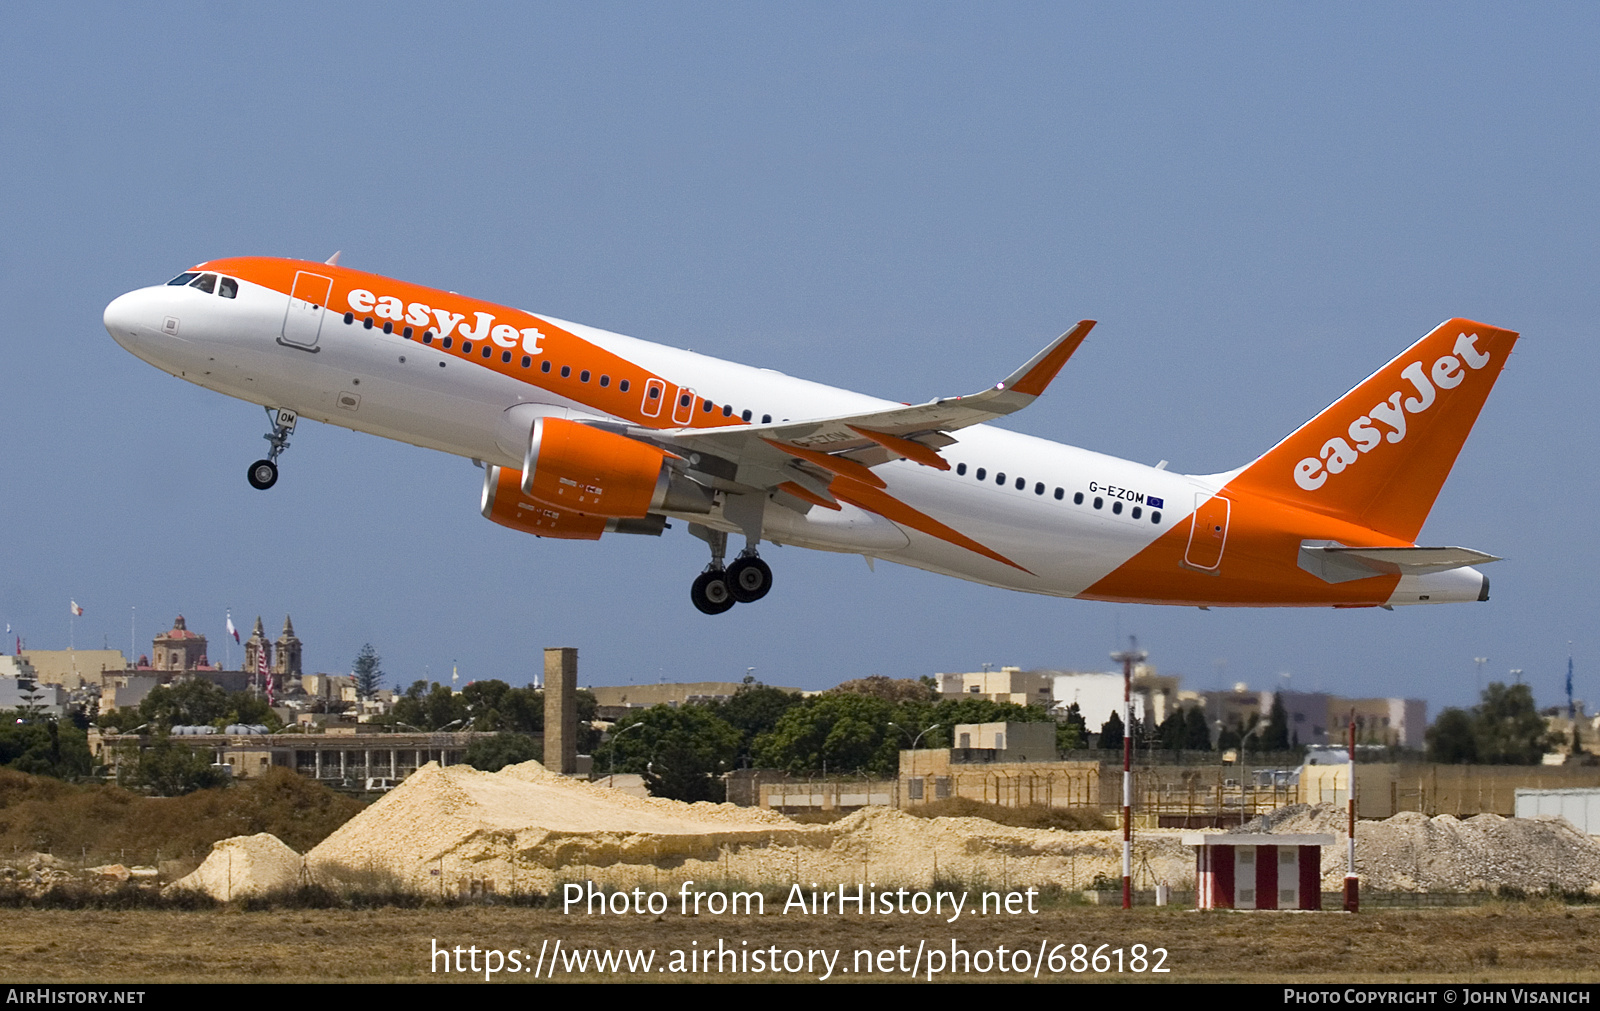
<point x="263" y="474"/>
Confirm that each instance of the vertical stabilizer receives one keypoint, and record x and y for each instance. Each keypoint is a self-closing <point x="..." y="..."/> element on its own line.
<point x="1380" y="454"/>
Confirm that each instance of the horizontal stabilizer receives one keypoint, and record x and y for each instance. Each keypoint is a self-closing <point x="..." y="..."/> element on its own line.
<point x="1335" y="563"/>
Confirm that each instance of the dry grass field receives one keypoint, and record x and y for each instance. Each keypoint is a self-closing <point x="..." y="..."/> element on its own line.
<point x="1500" y="942"/>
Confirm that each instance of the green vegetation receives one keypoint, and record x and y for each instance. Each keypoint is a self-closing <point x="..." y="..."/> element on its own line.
<point x="193" y="702"/>
<point x="101" y="822"/>
<point x="1504" y="728"/>
<point x="368" y="673"/>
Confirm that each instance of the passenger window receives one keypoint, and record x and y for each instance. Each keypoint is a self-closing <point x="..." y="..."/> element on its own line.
<point x="745" y="415"/>
<point x="605" y="381"/>
<point x="1060" y="492"/>
<point x="566" y="370"/>
<point x="1116" y="507"/>
<point x="981" y="473"/>
<point x="1155" y="517"/>
<point x="1021" y="484"/>
<point x="444" y="343"/>
<point x="1098" y="501"/>
<point x="544" y="366"/>
<point x="1077" y="498"/>
<point x="1000" y="478"/>
<point x="407" y="333"/>
<point x="527" y="361"/>
<point x="505" y="357"/>
<point x="1038" y="489"/>
<point x="466" y="347"/>
<point x="205" y="282"/>
<point x="683" y="401"/>
<point x="727" y="410"/>
<point x="623" y="386"/>
<point x="1137" y="512"/>
<point x="183" y="278"/>
<point x="961" y="469"/>
<point x="766" y="419"/>
<point x="706" y="407"/>
<point x="227" y="287"/>
<point x="583" y="377"/>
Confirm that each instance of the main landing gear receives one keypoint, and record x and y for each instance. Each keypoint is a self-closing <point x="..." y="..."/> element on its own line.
<point x="718" y="588"/>
<point x="263" y="474"/>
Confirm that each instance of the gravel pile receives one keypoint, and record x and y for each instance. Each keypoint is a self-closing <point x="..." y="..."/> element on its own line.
<point x="242" y="866"/>
<point x="1411" y="852"/>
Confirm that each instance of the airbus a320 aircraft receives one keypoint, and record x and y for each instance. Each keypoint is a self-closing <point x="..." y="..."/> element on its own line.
<point x="582" y="432"/>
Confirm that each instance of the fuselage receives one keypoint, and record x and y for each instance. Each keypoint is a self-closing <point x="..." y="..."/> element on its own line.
<point x="456" y="374"/>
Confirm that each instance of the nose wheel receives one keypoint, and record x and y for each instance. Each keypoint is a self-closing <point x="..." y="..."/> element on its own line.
<point x="263" y="474"/>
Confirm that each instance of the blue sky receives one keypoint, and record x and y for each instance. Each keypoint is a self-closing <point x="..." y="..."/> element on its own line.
<point x="1260" y="203"/>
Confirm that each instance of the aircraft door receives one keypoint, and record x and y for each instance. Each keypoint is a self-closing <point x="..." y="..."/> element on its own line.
<point x="1208" y="532"/>
<point x="308" y="303"/>
<point x="655" y="391"/>
<point x="683" y="407"/>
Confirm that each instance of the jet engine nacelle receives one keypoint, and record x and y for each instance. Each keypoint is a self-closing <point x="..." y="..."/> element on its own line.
<point x="505" y="504"/>
<point x="588" y="470"/>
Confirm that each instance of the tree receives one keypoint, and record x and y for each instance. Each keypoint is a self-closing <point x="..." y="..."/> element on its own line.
<point x="1111" y="732"/>
<point x="835" y="732"/>
<point x="889" y="689"/>
<point x="193" y="702"/>
<point x="493" y="752"/>
<point x="681" y="752"/>
<point x="368" y="673"/>
<point x="754" y="710"/>
<point x="1504" y="728"/>
<point x="45" y="747"/>
<point x="1509" y="729"/>
<point x="1452" y="740"/>
<point x="1196" y="734"/>
<point x="171" y="770"/>
<point x="1276" y="735"/>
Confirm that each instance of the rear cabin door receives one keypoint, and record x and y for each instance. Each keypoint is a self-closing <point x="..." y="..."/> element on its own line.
<point x="1208" y="532"/>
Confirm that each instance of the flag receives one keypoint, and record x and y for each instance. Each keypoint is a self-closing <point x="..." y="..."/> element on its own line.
<point x="231" y="630"/>
<point x="76" y="610"/>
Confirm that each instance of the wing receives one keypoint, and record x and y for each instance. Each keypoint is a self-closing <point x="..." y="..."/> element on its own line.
<point x="812" y="453"/>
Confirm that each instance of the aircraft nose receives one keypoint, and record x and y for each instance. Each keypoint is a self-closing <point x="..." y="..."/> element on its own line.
<point x="126" y="316"/>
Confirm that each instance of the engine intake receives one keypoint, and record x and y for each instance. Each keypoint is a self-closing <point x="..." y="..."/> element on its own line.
<point x="504" y="503"/>
<point x="598" y="473"/>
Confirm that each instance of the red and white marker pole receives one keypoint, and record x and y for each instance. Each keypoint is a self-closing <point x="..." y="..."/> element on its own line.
<point x="1129" y="657"/>
<point x="1352" y="884"/>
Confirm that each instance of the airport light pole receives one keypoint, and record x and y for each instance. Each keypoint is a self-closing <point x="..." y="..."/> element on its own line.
<point x="1128" y="657"/>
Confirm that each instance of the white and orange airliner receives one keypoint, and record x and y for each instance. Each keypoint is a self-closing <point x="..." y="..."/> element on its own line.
<point x="582" y="432"/>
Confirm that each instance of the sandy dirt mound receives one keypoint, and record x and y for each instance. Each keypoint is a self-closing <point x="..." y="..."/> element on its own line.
<point x="452" y="830"/>
<point x="523" y="828"/>
<point x="244" y="865"/>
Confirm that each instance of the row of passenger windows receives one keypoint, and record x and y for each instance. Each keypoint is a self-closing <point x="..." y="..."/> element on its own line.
<point x="584" y="375"/>
<point x="211" y="284"/>
<point x="1021" y="484"/>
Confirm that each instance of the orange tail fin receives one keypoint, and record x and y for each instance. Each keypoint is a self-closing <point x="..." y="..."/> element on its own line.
<point x="1380" y="454"/>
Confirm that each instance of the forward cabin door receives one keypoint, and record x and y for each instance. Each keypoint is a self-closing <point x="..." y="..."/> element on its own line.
<point x="308" y="303"/>
<point x="1208" y="532"/>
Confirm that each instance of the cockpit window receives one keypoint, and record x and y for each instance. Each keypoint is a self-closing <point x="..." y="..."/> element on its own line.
<point x="205" y="282"/>
<point x="184" y="278"/>
<point x="227" y="287"/>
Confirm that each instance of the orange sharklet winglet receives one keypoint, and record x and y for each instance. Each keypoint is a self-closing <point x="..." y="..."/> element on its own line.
<point x="908" y="448"/>
<point x="890" y="508"/>
<point x="807" y="495"/>
<point x="1033" y="377"/>
<point x="837" y="464"/>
